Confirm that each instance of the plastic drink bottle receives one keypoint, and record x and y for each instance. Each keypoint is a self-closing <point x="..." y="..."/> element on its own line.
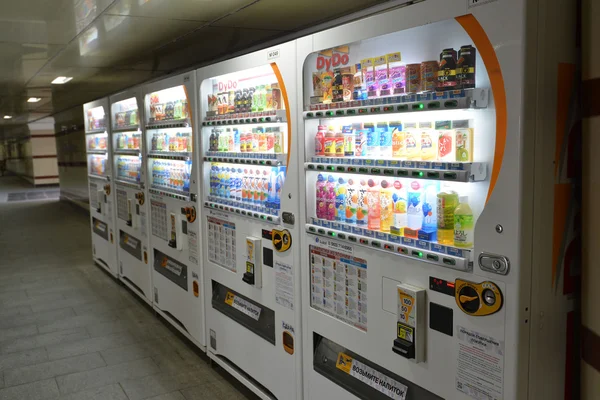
<point x="400" y="203"/>
<point x="431" y="190"/>
<point x="385" y="140"/>
<point x="349" y="141"/>
<point x="415" y="209"/>
<point x="447" y="201"/>
<point x="362" y="211"/>
<point x="340" y="200"/>
<point x="351" y="201"/>
<point x="277" y="141"/>
<point x="320" y="141"/>
<point x="330" y="198"/>
<point x="446" y="141"/>
<point x="398" y="140"/>
<point x="254" y="141"/>
<point x="270" y="140"/>
<point x="373" y="141"/>
<point x="264" y="194"/>
<point x="373" y="193"/>
<point x="330" y="143"/>
<point x="237" y="146"/>
<point x="320" y="197"/>
<point x="464" y="224"/>
<point x="339" y="143"/>
<point x="262" y="140"/>
<point x="257" y="187"/>
<point x="386" y="202"/>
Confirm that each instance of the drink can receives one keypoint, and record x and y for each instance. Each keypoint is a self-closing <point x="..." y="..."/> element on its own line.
<point x="413" y="78"/>
<point x="429" y="73"/>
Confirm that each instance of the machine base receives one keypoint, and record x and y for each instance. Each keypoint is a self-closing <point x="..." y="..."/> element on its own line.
<point x="174" y="324"/>
<point x="133" y="288"/>
<point x="105" y="267"/>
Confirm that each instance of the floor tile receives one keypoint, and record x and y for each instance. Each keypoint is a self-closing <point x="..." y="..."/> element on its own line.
<point x="89" y="345"/>
<point x="21" y="359"/>
<point x="168" y="396"/>
<point x="40" y="390"/>
<point x="110" y="392"/>
<point x="37" y="317"/>
<point x="45" y="339"/>
<point x="52" y="369"/>
<point x="19" y="331"/>
<point x="104" y="376"/>
<point x="137" y="389"/>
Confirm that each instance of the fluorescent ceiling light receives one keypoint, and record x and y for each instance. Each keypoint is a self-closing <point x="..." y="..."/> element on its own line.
<point x="7" y="116"/>
<point x="34" y="99"/>
<point x="62" y="79"/>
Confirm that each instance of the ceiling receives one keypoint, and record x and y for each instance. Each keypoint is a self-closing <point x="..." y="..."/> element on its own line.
<point x="109" y="45"/>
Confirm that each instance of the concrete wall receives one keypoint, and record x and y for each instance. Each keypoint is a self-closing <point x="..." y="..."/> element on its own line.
<point x="72" y="161"/>
<point x="43" y="152"/>
<point x="17" y="144"/>
<point x="590" y="367"/>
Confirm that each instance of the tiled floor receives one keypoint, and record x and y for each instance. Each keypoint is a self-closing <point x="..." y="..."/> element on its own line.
<point x="69" y="331"/>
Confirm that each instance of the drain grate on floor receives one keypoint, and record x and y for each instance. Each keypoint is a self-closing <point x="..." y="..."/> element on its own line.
<point x="34" y="195"/>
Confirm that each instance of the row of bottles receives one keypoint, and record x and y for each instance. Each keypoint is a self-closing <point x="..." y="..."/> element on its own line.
<point x="172" y="142"/>
<point x="97" y="142"/>
<point x="172" y="174"/>
<point x="449" y="141"/>
<point x="255" y="188"/>
<point x="129" y="168"/>
<point x="129" y="141"/>
<point x="170" y="110"/>
<point x="98" y="165"/>
<point x="253" y="99"/>
<point x="415" y="209"/>
<point x="255" y="140"/>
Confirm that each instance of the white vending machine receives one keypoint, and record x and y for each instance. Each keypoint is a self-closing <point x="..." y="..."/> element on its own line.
<point x="251" y="203"/>
<point x="173" y="181"/>
<point x="102" y="217"/>
<point x="438" y="205"/>
<point x="129" y="157"/>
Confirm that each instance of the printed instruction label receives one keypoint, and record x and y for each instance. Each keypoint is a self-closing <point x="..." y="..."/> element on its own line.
<point x="334" y="245"/>
<point x="339" y="286"/>
<point x="243" y="306"/>
<point x="480" y="371"/>
<point x="193" y="246"/>
<point x="284" y="285"/>
<point x="369" y="376"/>
<point x="272" y="54"/>
<point x="221" y="243"/>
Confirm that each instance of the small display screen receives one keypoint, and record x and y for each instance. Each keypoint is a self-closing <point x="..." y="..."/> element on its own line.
<point x="442" y="286"/>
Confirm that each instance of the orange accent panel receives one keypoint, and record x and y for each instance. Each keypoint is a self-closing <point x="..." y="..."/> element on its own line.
<point x="562" y="196"/>
<point x="566" y="79"/>
<point x="287" y="109"/>
<point x="488" y="55"/>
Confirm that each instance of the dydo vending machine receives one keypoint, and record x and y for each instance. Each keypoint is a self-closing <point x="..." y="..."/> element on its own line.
<point x="101" y="187"/>
<point x="435" y="231"/>
<point x="251" y="204"/>
<point x="173" y="192"/>
<point x="130" y="175"/>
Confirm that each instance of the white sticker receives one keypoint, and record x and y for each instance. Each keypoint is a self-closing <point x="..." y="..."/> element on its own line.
<point x="475" y="3"/>
<point x="480" y="365"/>
<point x="287" y="327"/>
<point x="369" y="376"/>
<point x="284" y="285"/>
<point x="219" y="214"/>
<point x="243" y="306"/>
<point x="143" y="224"/>
<point x="273" y="54"/>
<point x="174" y="268"/>
<point x="193" y="246"/>
<point x="335" y="245"/>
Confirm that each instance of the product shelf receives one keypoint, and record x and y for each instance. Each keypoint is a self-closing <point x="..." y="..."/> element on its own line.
<point x="442" y="171"/>
<point x="430" y="101"/>
<point x="238" y="210"/>
<point x="446" y="256"/>
<point x="127" y="128"/>
<point x="95" y="131"/>
<point x="246" y="158"/>
<point x="127" y="152"/>
<point x="163" y="191"/>
<point x="170" y="155"/>
<point x="98" y="151"/>
<point x="170" y="123"/>
<point x="260" y="117"/>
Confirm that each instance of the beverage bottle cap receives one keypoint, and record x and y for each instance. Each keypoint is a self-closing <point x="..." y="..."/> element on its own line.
<point x="463" y="199"/>
<point x="372" y="182"/>
<point x="330" y="178"/>
<point x="341" y="181"/>
<point x="384" y="184"/>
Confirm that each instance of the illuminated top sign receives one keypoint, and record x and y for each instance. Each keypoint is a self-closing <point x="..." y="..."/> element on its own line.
<point x="333" y="58"/>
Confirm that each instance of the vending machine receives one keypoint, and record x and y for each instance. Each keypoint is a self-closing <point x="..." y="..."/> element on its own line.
<point x="104" y="249"/>
<point x="173" y="180"/>
<point x="437" y="206"/>
<point x="129" y="155"/>
<point x="251" y="209"/>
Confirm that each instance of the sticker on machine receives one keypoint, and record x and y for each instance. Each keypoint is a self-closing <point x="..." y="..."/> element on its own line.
<point x="480" y="371"/>
<point x="193" y="246"/>
<point x="334" y="245"/>
<point x="284" y="285"/>
<point x="369" y="376"/>
<point x="243" y="306"/>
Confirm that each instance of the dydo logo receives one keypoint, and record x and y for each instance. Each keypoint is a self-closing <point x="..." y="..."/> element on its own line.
<point x="333" y="58"/>
<point x="225" y="86"/>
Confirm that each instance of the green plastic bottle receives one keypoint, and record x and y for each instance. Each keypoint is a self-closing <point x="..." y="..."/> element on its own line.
<point x="464" y="224"/>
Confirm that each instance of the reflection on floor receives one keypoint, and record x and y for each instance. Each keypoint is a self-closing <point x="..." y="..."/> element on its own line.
<point x="69" y="331"/>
